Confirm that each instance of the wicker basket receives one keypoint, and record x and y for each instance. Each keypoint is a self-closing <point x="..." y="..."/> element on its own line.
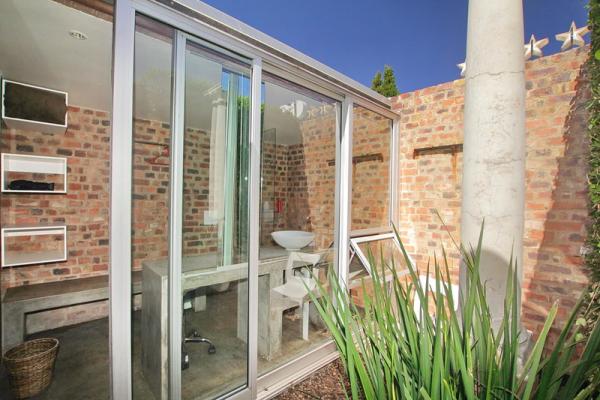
<point x="30" y="366"/>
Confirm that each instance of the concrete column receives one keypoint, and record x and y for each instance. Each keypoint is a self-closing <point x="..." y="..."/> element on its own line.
<point x="218" y="155"/>
<point x="494" y="141"/>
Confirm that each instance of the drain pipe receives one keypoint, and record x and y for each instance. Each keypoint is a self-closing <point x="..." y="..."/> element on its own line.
<point x="493" y="185"/>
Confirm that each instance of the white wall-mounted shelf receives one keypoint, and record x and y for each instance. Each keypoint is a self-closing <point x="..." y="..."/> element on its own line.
<point x="24" y="257"/>
<point x="26" y="163"/>
<point x="34" y="108"/>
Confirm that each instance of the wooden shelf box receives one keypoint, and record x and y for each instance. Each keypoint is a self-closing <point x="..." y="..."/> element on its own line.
<point x="41" y="240"/>
<point x="30" y="167"/>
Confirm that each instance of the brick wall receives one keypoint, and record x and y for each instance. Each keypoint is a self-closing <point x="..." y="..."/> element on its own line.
<point x="556" y="202"/>
<point x="307" y="180"/>
<point x="371" y="136"/>
<point x="299" y="174"/>
<point x="303" y="177"/>
<point x="151" y="179"/>
<point x="84" y="209"/>
<point x="300" y="177"/>
<point x="150" y="191"/>
<point x="274" y="188"/>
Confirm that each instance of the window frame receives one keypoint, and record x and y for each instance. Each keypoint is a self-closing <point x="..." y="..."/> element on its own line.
<point x="202" y="21"/>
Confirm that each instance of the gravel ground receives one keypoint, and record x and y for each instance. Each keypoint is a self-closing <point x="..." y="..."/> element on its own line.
<point x="324" y="384"/>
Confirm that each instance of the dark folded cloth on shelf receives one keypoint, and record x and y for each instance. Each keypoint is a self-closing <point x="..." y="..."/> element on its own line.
<point x="22" y="184"/>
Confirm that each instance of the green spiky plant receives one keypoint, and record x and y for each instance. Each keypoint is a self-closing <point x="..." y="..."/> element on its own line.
<point x="592" y="258"/>
<point x="390" y="351"/>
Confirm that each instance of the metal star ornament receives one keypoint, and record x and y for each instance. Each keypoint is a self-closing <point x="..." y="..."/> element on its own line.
<point x="463" y="69"/>
<point x="574" y="37"/>
<point x="534" y="47"/>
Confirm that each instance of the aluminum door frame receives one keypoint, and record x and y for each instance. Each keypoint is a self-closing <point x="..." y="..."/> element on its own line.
<point x="121" y="206"/>
<point x="121" y="189"/>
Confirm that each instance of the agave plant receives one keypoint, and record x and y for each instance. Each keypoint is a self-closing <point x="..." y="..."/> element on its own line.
<point x="392" y="351"/>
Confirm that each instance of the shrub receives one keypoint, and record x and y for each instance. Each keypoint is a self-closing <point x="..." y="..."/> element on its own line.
<point x="391" y="351"/>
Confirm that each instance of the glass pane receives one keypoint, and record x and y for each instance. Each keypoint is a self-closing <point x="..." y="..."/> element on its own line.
<point x="58" y="241"/>
<point x="215" y="224"/>
<point x="382" y="252"/>
<point x="296" y="217"/>
<point x="150" y="206"/>
<point x="371" y="140"/>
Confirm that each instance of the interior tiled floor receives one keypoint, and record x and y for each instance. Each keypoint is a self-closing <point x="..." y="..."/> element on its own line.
<point x="81" y="370"/>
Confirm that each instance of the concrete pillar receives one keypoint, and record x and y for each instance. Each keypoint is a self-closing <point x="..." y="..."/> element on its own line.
<point x="494" y="141"/>
<point x="218" y="155"/>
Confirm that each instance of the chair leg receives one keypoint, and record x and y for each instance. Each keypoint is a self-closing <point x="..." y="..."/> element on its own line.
<point x="305" y="320"/>
<point x="196" y="338"/>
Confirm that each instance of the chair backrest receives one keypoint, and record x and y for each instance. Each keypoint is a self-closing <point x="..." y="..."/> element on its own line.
<point x="429" y="284"/>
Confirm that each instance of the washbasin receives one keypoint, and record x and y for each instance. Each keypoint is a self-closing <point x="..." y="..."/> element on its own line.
<point x="292" y="240"/>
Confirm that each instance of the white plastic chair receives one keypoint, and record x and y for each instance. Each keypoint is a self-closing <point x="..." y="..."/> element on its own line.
<point x="297" y="287"/>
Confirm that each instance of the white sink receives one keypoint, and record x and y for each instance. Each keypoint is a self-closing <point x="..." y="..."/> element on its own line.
<point x="293" y="240"/>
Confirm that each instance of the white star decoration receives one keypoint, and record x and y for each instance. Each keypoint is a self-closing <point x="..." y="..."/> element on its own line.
<point x="534" y="47"/>
<point x="463" y="68"/>
<point x="574" y="37"/>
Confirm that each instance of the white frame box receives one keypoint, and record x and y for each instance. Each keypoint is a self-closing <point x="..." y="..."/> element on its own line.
<point x="37" y="257"/>
<point x="33" y="125"/>
<point x="32" y="164"/>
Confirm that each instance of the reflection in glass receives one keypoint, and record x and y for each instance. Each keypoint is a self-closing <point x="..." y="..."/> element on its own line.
<point x="150" y="206"/>
<point x="42" y="298"/>
<point x="371" y="141"/>
<point x="373" y="251"/>
<point x="296" y="217"/>
<point x="215" y="223"/>
<point x="377" y="253"/>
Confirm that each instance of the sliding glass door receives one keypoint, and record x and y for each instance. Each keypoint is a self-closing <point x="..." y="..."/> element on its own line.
<point x="297" y="218"/>
<point x="229" y="204"/>
<point x="190" y="216"/>
<point x="214" y="231"/>
<point x="152" y="138"/>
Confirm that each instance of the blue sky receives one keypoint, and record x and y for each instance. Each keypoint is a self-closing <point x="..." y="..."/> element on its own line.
<point x="422" y="40"/>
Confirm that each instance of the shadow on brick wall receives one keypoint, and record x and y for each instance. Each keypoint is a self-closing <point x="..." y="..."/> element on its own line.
<point x="554" y="270"/>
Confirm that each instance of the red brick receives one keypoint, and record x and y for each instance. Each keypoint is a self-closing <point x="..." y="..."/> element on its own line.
<point x="556" y="206"/>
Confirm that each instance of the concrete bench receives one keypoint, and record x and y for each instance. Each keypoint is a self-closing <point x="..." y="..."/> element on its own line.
<point x="22" y="300"/>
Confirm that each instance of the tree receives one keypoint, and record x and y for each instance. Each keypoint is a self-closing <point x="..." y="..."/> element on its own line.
<point x="386" y="85"/>
<point x="389" y="88"/>
<point x="377" y="82"/>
